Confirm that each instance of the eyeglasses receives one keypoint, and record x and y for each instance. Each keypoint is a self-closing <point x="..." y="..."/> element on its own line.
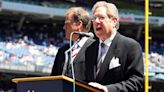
<point x="101" y="18"/>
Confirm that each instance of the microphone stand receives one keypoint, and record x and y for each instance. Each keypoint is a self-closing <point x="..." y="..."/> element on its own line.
<point x="66" y="57"/>
<point x="71" y="61"/>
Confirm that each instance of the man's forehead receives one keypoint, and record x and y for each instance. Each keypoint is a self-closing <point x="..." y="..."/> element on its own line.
<point x="68" y="16"/>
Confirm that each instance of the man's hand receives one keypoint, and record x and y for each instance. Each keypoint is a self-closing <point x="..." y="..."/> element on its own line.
<point x="97" y="85"/>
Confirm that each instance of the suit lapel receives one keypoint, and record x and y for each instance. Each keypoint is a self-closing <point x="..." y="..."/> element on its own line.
<point x="112" y="51"/>
<point x="91" y="61"/>
<point x="82" y="50"/>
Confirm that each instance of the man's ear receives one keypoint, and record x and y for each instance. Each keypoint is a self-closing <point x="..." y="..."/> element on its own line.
<point x="79" y="24"/>
<point x="115" y="20"/>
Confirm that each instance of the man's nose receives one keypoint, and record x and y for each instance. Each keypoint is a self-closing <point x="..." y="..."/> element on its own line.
<point x="97" y="20"/>
<point x="64" y="27"/>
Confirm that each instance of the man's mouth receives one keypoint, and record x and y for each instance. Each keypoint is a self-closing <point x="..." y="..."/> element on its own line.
<point x="98" y="28"/>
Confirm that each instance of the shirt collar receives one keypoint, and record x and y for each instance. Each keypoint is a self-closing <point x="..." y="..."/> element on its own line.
<point x="82" y="41"/>
<point x="109" y="40"/>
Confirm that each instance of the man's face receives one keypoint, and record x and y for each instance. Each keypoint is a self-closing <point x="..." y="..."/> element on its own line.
<point x="69" y="25"/>
<point x="102" y="24"/>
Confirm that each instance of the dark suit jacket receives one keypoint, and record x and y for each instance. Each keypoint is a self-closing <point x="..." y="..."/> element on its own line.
<point x="128" y="77"/>
<point x="79" y="61"/>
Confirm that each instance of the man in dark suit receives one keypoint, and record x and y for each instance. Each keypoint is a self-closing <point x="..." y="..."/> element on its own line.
<point x="77" y="20"/>
<point x="117" y="65"/>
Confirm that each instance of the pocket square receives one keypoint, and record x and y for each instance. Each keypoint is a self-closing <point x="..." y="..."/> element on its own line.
<point x="114" y="63"/>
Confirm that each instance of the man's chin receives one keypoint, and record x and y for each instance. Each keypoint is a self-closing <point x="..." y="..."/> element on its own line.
<point x="98" y="33"/>
<point x="67" y="38"/>
<point x="100" y="36"/>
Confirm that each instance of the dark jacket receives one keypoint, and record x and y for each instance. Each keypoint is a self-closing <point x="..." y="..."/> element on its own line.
<point x="128" y="77"/>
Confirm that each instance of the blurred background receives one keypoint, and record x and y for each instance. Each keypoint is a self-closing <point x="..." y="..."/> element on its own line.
<point x="31" y="31"/>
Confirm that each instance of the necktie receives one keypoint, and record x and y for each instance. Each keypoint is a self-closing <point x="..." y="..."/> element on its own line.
<point x="75" y="51"/>
<point x="100" y="61"/>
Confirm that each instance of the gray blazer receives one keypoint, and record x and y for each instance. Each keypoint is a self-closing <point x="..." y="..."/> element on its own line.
<point x="78" y="62"/>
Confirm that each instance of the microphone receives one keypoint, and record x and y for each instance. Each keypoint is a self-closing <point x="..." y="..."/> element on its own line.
<point x="89" y="34"/>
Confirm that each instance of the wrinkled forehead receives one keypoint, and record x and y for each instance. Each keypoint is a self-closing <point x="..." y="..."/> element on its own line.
<point x="100" y="10"/>
<point x="69" y="16"/>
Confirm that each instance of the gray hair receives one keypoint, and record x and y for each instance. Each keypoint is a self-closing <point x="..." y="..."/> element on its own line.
<point x="112" y="10"/>
<point x="80" y="14"/>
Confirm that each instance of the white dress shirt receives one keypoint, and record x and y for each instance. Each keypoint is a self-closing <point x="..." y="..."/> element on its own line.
<point x="107" y="43"/>
<point x="78" y="46"/>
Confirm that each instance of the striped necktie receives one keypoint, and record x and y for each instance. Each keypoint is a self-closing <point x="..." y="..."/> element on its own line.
<point x="99" y="61"/>
<point x="75" y="50"/>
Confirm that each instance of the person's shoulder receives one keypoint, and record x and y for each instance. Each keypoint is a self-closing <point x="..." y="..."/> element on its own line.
<point x="128" y="39"/>
<point x="129" y="42"/>
<point x="64" y="47"/>
<point x="90" y="39"/>
<point x="94" y="42"/>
